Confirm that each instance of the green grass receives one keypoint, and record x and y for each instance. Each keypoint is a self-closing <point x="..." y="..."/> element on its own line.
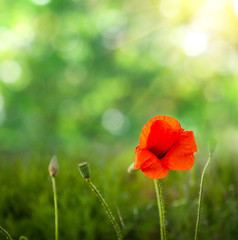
<point x="26" y="202"/>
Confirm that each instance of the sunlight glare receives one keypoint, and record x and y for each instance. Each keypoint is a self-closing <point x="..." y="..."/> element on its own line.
<point x="235" y="3"/>
<point x="170" y="8"/>
<point x="195" y="44"/>
<point x="215" y="5"/>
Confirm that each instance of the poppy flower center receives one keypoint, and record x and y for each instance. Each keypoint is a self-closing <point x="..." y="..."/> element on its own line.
<point x="160" y="137"/>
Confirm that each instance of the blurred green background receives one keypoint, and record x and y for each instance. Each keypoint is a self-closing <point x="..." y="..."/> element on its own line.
<point x="80" y="78"/>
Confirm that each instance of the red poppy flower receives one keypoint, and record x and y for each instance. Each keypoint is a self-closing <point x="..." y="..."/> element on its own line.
<point x="164" y="145"/>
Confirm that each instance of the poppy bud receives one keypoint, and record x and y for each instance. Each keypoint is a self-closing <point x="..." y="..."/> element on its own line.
<point x="84" y="169"/>
<point x="131" y="168"/>
<point x="54" y="166"/>
<point x="212" y="143"/>
<point x="23" y="238"/>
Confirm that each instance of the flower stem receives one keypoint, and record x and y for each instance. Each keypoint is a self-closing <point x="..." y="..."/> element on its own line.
<point x="200" y="196"/>
<point x="56" y="207"/>
<point x="108" y="211"/>
<point x="160" y="203"/>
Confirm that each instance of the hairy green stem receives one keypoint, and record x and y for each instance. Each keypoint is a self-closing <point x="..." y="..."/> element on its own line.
<point x="108" y="211"/>
<point x="160" y="203"/>
<point x="163" y="208"/>
<point x="56" y="207"/>
<point x="4" y="235"/>
<point x="200" y="196"/>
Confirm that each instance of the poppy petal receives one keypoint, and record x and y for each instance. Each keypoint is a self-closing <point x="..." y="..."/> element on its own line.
<point x="149" y="164"/>
<point x="139" y="159"/>
<point x="180" y="156"/>
<point x="159" y="134"/>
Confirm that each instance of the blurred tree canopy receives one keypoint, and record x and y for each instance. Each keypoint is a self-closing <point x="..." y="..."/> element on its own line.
<point x="78" y="76"/>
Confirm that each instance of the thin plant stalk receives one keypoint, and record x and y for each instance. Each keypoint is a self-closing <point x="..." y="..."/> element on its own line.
<point x="200" y="196"/>
<point x="120" y="217"/>
<point x="4" y="235"/>
<point x="56" y="207"/>
<point x="160" y="203"/>
<point x="108" y="211"/>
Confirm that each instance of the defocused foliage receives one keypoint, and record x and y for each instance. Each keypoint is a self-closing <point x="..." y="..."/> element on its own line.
<point x="79" y="78"/>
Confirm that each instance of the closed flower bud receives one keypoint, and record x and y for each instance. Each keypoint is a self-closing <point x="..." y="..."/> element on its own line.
<point x="23" y="238"/>
<point x="131" y="168"/>
<point x="84" y="169"/>
<point x="53" y="167"/>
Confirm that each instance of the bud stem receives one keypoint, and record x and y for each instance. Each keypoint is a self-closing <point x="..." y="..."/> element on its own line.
<point x="108" y="211"/>
<point x="56" y="207"/>
<point x="200" y="196"/>
<point x="4" y="235"/>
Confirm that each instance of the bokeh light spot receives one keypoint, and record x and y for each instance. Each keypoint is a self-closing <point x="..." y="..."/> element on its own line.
<point x="41" y="2"/>
<point x="170" y="8"/>
<point x="8" y="39"/>
<point x="115" y="122"/>
<point x="10" y="71"/>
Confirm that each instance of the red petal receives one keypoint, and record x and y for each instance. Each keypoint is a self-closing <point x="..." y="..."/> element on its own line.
<point x="149" y="164"/>
<point x="159" y="134"/>
<point x="180" y="156"/>
<point x="139" y="159"/>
